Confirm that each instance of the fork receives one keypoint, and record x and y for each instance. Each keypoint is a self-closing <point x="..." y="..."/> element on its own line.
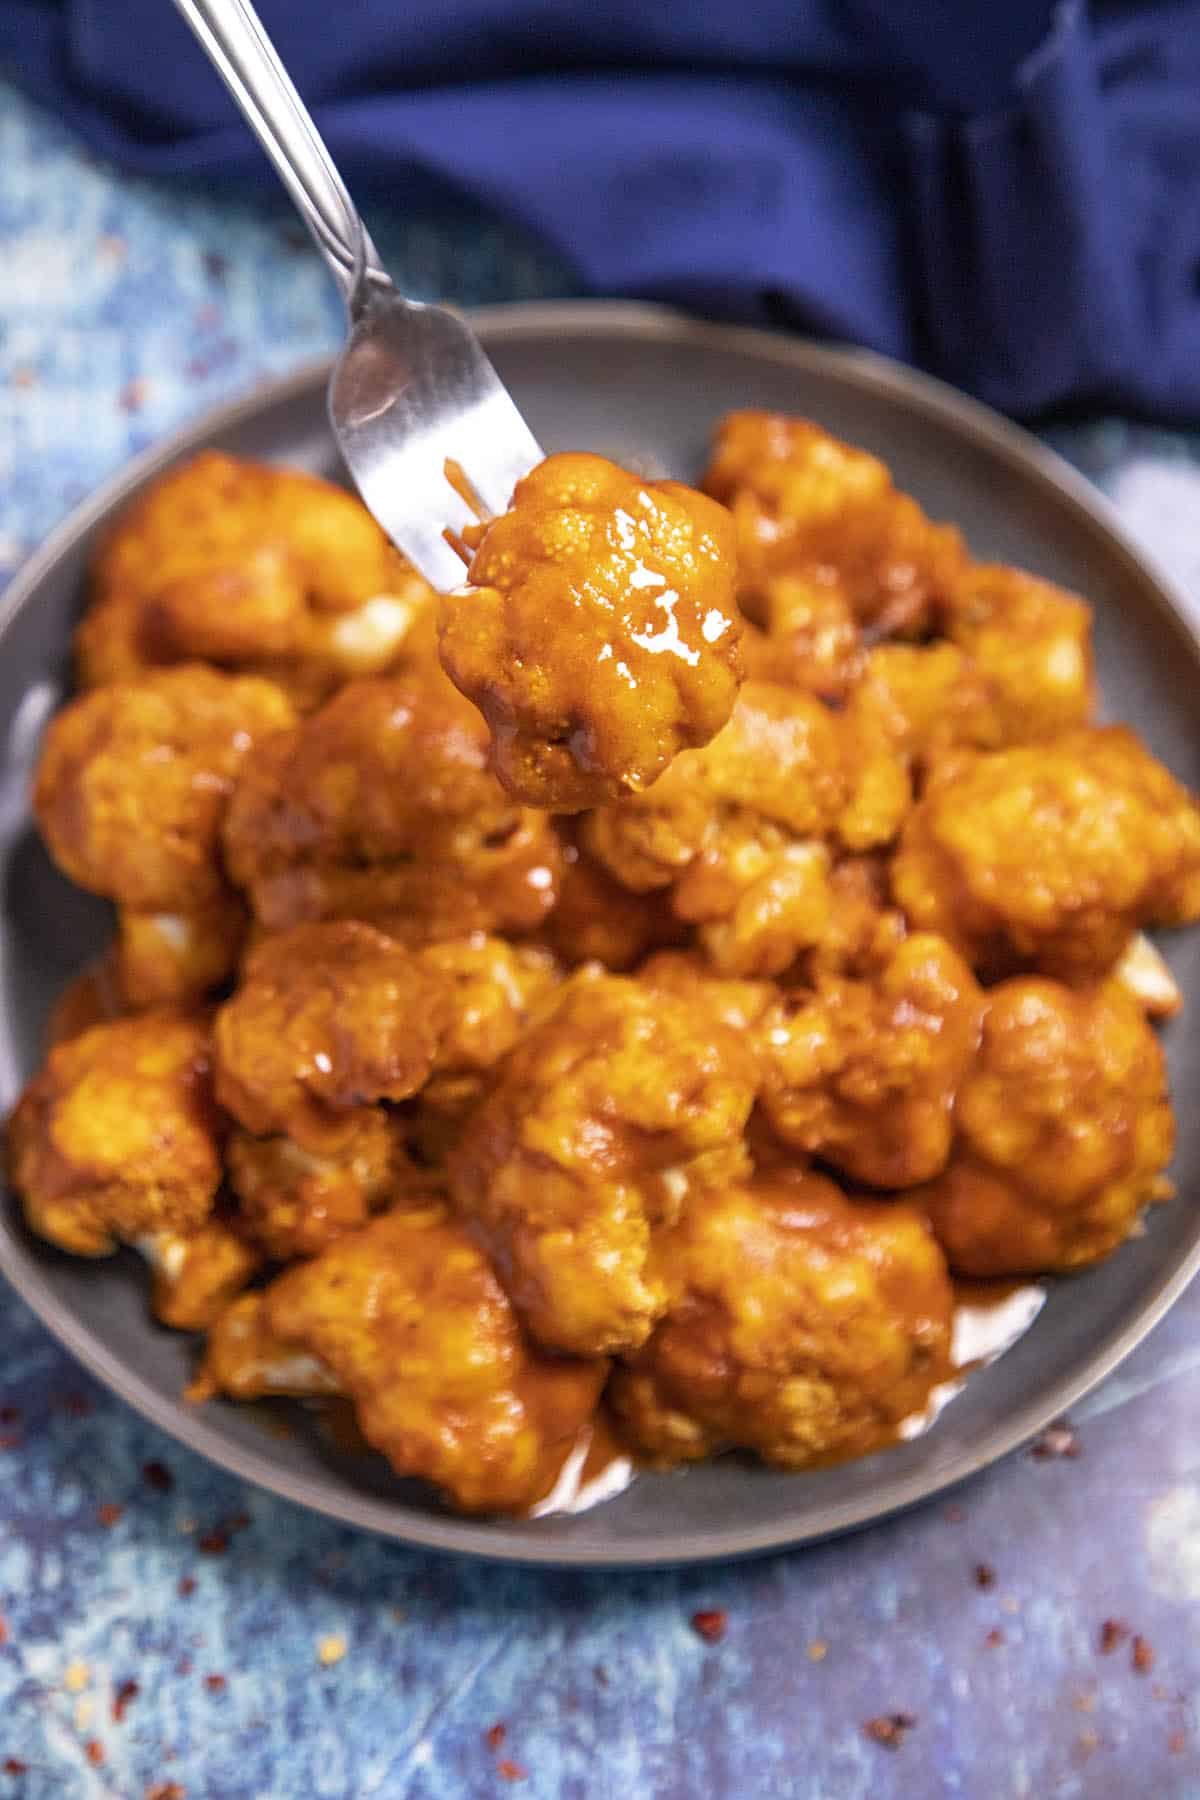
<point x="425" y="426"/>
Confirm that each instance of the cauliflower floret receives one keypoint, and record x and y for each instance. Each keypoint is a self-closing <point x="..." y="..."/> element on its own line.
<point x="809" y="506"/>
<point x="406" y="1318"/>
<point x="923" y="700"/>
<point x="169" y="958"/>
<point x="134" y="780"/>
<point x="267" y="571"/>
<point x="738" y="830"/>
<point x="293" y="1198"/>
<point x="599" y="633"/>
<point x="199" y="1273"/>
<point x="1063" y="1130"/>
<point x="808" y="636"/>
<point x="801" y="1325"/>
<point x="381" y="807"/>
<point x="1051" y="855"/>
<point x="118" y="1136"/>
<point x="596" y="919"/>
<point x="864" y="1073"/>
<point x="585" y="1144"/>
<point x="326" y="1019"/>
<point x="1032" y="644"/>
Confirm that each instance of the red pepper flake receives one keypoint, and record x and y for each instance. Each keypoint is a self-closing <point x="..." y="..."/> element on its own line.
<point x="710" y="1625"/>
<point x="215" y="1684"/>
<point x="109" y="1513"/>
<point x="156" y="1475"/>
<point x="3" y="1629"/>
<point x="238" y="1522"/>
<point x="1112" y="1633"/>
<point x="10" y="1415"/>
<point x="184" y="1666"/>
<point x="133" y="395"/>
<point x="1057" y="1440"/>
<point x="984" y="1575"/>
<point x="125" y="1695"/>
<point x="601" y="1674"/>
<point x="954" y="1513"/>
<point x="166" y="1790"/>
<point x="214" y="1542"/>
<point x="890" y="1729"/>
<point x="11" y="1440"/>
<point x="1142" y="1655"/>
<point x="1177" y="1743"/>
<point x="94" y="1751"/>
<point x="14" y="1766"/>
<point x="994" y="1638"/>
<point x="511" y="1771"/>
<point x="77" y="1405"/>
<point x="187" y="1585"/>
<point x="496" y="1736"/>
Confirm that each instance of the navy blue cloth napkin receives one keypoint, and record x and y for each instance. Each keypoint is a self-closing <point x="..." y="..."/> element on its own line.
<point x="1007" y="193"/>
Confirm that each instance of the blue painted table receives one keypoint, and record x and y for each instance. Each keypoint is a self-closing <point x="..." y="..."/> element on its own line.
<point x="287" y="1658"/>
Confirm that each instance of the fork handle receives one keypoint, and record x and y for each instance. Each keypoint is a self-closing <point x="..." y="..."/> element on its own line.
<point x="232" y="34"/>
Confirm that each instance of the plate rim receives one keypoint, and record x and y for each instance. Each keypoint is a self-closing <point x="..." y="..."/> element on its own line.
<point x="506" y="1541"/>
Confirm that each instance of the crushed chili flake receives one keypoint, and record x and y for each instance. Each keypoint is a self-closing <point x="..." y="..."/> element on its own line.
<point x="954" y="1513"/>
<point x="187" y="1585"/>
<point x="109" y="1513"/>
<point x="1112" y="1633"/>
<point x="9" y="1415"/>
<point x="890" y="1729"/>
<point x="78" y="1405"/>
<point x="710" y="1625"/>
<point x="984" y="1575"/>
<point x="156" y="1475"/>
<point x="994" y="1638"/>
<point x="818" y="1650"/>
<point x="11" y="1440"/>
<point x="166" y="1790"/>
<point x="1087" y="1742"/>
<point x="3" y="1630"/>
<point x="125" y="1695"/>
<point x="1058" y="1439"/>
<point x="601" y="1674"/>
<point x="132" y="396"/>
<point x="94" y="1751"/>
<point x="215" y="1684"/>
<point x="1142" y="1655"/>
<point x="1177" y="1743"/>
<point x="14" y="1766"/>
<point x="1085" y="1703"/>
<point x="496" y="1736"/>
<point x="510" y="1771"/>
<point x="214" y="1542"/>
<point x="184" y="1666"/>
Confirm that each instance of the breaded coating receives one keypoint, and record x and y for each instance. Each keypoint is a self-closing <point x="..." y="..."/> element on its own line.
<point x="294" y="1199"/>
<point x="118" y="1135"/>
<point x="808" y="505"/>
<point x="1064" y="1129"/>
<point x="198" y="1274"/>
<point x="1032" y="643"/>
<point x="95" y="997"/>
<point x="172" y="958"/>
<point x="381" y="807"/>
<point x="264" y="571"/>
<point x="1051" y="856"/>
<point x="808" y="636"/>
<point x="584" y="1146"/>
<point x="737" y="830"/>
<point x="801" y="1325"/>
<point x="411" y="1323"/>
<point x="326" y="1019"/>
<point x="924" y="700"/>
<point x="133" y="783"/>
<point x="598" y="634"/>
<point x="864" y="1073"/>
<point x="246" y="1359"/>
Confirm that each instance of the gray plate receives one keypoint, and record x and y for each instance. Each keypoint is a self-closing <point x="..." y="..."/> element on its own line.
<point x="647" y="386"/>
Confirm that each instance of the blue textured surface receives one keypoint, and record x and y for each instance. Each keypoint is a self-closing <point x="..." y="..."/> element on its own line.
<point x="122" y="310"/>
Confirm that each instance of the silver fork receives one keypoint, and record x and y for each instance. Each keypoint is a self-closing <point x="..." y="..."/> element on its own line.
<point x="425" y="425"/>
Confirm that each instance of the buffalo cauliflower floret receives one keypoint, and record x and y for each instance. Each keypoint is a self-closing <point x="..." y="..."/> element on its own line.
<point x="800" y="1325"/>
<point x="293" y="1198"/>
<point x="586" y="1143"/>
<point x="134" y="780"/>
<point x="407" y="1318"/>
<point x="1051" y="855"/>
<point x="118" y="1136"/>
<point x="1032" y="644"/>
<point x="596" y="919"/>
<point x="598" y="633"/>
<point x="923" y="700"/>
<point x="168" y="958"/>
<point x="807" y="505"/>
<point x="808" y="636"/>
<point x="260" y="570"/>
<point x="1063" y="1132"/>
<point x="198" y="1273"/>
<point x="742" y="832"/>
<point x="864" y="1073"/>
<point x="381" y="807"/>
<point x="326" y="1019"/>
